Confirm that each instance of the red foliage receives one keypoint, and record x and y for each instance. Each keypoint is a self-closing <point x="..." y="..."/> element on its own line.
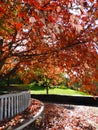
<point x="34" y="30"/>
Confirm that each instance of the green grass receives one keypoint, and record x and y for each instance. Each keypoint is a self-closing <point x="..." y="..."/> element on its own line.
<point x="59" y="91"/>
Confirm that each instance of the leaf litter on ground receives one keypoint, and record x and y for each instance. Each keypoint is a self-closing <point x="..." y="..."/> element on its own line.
<point x="56" y="117"/>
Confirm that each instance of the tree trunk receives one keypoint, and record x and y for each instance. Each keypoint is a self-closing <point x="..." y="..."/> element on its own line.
<point x="47" y="90"/>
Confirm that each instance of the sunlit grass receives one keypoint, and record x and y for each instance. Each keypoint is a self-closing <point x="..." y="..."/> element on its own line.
<point x="60" y="90"/>
<point x="56" y="90"/>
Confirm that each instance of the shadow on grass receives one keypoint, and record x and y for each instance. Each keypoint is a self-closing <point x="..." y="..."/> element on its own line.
<point x="36" y="87"/>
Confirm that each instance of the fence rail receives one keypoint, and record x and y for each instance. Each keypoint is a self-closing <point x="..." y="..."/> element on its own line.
<point x="12" y="104"/>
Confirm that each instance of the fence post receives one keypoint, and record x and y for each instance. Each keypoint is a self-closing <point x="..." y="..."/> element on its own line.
<point x="12" y="104"/>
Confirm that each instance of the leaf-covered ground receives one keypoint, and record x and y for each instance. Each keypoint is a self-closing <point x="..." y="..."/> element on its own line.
<point x="70" y="117"/>
<point x="67" y="117"/>
<point x="57" y="117"/>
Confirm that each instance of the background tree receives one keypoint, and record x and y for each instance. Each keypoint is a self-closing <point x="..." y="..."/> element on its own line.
<point x="63" y="31"/>
<point x="45" y="75"/>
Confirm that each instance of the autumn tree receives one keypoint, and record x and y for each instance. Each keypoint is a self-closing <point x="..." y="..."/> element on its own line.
<point x="64" y="31"/>
<point x="45" y="75"/>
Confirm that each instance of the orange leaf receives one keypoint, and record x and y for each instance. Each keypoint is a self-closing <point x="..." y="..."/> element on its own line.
<point x="51" y="19"/>
<point x="35" y="3"/>
<point x="22" y="14"/>
<point x="91" y="1"/>
<point x="84" y="18"/>
<point x="18" y="26"/>
<point x="1" y="12"/>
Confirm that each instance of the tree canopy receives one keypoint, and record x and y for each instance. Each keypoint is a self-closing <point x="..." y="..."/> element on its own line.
<point x="46" y="33"/>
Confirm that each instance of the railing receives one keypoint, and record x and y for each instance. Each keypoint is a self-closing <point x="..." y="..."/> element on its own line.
<point x="12" y="104"/>
<point x="32" y="118"/>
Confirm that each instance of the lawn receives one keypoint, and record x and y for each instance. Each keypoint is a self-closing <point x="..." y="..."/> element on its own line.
<point x="60" y="90"/>
<point x="57" y="90"/>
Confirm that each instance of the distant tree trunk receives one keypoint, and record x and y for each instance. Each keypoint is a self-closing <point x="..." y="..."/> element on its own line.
<point x="47" y="90"/>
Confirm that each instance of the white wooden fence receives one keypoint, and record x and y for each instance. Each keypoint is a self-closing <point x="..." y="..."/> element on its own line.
<point x="12" y="104"/>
